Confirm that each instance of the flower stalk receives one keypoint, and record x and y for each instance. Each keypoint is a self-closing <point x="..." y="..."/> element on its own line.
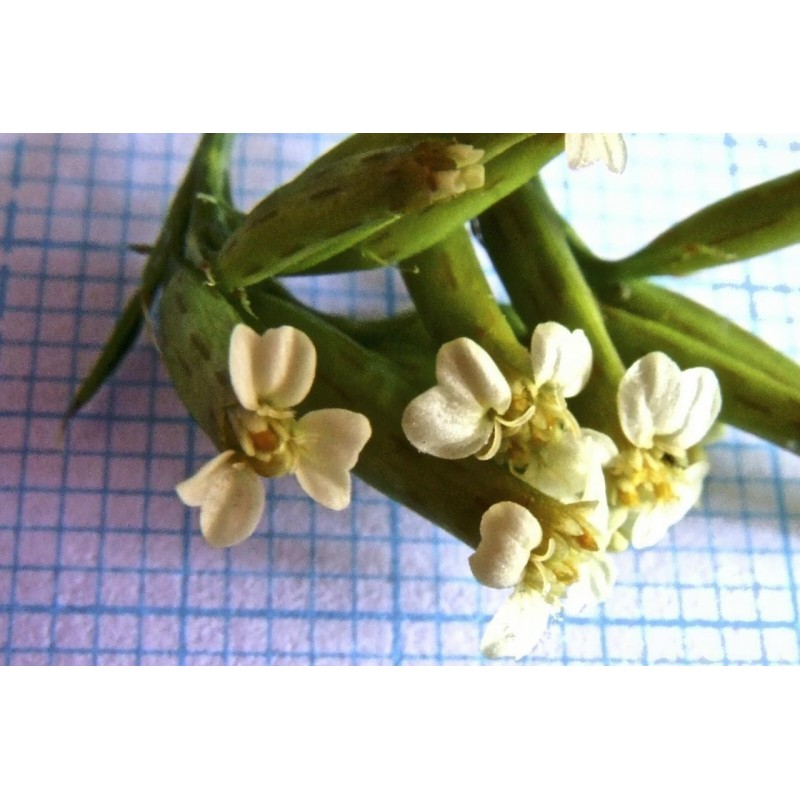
<point x="532" y="256"/>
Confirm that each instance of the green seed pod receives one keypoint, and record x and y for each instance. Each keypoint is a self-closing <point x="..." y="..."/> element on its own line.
<point x="323" y="212"/>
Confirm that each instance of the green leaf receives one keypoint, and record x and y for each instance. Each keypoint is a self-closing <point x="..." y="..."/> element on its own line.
<point x="746" y="224"/>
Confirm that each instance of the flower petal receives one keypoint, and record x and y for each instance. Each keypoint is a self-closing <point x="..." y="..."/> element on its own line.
<point x="275" y="369"/>
<point x="329" y="442"/>
<point x="466" y="370"/>
<point x="701" y="385"/>
<point x="562" y="468"/>
<point x="660" y="404"/>
<point x="509" y="533"/>
<point x="560" y="357"/>
<point x="583" y="149"/>
<point x="230" y="497"/>
<point x="193" y="490"/>
<point x="517" y="627"/>
<point x="596" y="578"/>
<point x="446" y="425"/>
<point x="649" y="399"/>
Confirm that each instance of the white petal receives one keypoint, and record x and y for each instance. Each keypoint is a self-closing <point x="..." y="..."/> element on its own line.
<point x="649" y="399"/>
<point x="660" y="404"/>
<point x="562" y="468"/>
<point x="560" y="357"/>
<point x="595" y="580"/>
<point x="330" y="442"/>
<point x="447" y="425"/>
<point x="701" y="385"/>
<point x="466" y="370"/>
<point x="275" y="369"/>
<point x="517" y="627"/>
<point x="509" y="533"/>
<point x="583" y="149"/>
<point x="193" y="490"/>
<point x="230" y="497"/>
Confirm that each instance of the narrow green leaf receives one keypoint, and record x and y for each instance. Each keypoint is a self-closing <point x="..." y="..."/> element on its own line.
<point x="746" y="224"/>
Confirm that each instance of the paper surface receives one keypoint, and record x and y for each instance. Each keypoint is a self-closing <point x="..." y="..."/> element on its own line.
<point x="101" y="564"/>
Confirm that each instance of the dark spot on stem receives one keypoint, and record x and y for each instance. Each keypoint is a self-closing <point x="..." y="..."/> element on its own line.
<point x="330" y="191"/>
<point x="200" y="345"/>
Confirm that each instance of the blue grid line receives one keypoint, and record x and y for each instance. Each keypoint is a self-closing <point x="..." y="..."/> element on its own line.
<point x="73" y="370"/>
<point x="37" y="328"/>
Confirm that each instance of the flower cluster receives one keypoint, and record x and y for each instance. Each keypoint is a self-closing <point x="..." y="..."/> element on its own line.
<point x="270" y="375"/>
<point x="628" y="496"/>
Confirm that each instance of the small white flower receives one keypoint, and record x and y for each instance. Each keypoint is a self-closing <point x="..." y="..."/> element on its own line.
<point x="509" y="534"/>
<point x="661" y="406"/>
<point x="456" y="418"/>
<point x="270" y="374"/>
<point x="467" y="409"/>
<point x="583" y="149"/>
<point x="562" y="575"/>
<point x="665" y="413"/>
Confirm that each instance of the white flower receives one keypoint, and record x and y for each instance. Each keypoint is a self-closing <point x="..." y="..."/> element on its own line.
<point x="507" y="556"/>
<point x="456" y="418"/>
<point x="466" y="410"/>
<point x="583" y="149"/>
<point x="270" y="374"/>
<point x="665" y="413"/>
<point x="661" y="406"/>
<point x="509" y="534"/>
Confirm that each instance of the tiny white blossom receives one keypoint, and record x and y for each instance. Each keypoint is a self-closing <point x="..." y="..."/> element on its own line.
<point x="457" y="417"/>
<point x="511" y="552"/>
<point x="583" y="149"/>
<point x="472" y="403"/>
<point x="270" y="374"/>
<point x="665" y="413"/>
<point x="661" y="406"/>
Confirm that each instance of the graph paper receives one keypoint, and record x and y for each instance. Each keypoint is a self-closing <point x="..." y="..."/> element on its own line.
<point x="101" y="564"/>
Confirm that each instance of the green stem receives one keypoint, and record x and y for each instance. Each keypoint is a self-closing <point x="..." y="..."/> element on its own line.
<point x="659" y="304"/>
<point x="454" y="299"/>
<point x="530" y="251"/>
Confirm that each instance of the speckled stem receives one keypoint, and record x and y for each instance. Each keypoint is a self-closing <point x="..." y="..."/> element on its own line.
<point x="453" y="298"/>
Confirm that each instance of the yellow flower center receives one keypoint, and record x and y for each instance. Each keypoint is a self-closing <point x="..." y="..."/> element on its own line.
<point x="639" y="477"/>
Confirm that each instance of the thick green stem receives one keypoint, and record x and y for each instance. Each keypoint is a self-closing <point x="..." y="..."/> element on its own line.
<point x="659" y="304"/>
<point x="453" y="298"/>
<point x="529" y="248"/>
